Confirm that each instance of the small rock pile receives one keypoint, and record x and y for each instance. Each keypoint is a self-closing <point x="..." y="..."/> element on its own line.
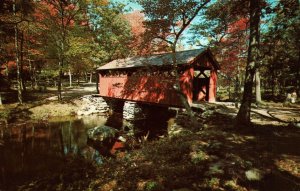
<point x="132" y="111"/>
<point x="93" y="105"/>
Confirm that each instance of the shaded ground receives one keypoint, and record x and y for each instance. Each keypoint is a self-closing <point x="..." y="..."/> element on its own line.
<point x="218" y="157"/>
<point x="43" y="104"/>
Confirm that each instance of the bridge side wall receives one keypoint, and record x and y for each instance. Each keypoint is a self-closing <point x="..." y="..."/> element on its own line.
<point x="155" y="87"/>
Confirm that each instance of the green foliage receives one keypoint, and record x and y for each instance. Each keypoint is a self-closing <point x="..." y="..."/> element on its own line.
<point x="280" y="53"/>
<point x="213" y="183"/>
<point x="111" y="32"/>
<point x="199" y="156"/>
<point x="231" y="185"/>
<point x="5" y="114"/>
<point x="82" y="50"/>
<point x="166" y="20"/>
<point x="151" y="186"/>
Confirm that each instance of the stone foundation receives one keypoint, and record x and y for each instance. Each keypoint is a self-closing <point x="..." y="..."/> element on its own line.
<point x="93" y="105"/>
<point x="133" y="111"/>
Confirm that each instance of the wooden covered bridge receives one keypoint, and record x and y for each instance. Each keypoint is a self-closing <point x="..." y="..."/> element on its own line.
<point x="151" y="78"/>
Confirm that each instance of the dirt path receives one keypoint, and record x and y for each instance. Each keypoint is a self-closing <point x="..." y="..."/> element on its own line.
<point x="271" y="113"/>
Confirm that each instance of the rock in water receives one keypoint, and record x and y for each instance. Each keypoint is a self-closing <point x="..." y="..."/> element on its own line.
<point x="102" y="133"/>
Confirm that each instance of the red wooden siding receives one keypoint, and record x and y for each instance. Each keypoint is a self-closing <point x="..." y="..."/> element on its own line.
<point x="129" y="79"/>
<point x="147" y="88"/>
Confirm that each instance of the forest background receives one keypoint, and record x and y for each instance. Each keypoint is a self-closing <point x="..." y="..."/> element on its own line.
<point x="43" y="42"/>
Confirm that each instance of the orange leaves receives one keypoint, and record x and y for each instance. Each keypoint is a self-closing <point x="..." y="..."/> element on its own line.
<point x="136" y="19"/>
<point x="239" y="25"/>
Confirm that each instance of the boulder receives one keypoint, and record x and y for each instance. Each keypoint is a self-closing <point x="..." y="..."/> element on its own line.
<point x="102" y="133"/>
<point x="254" y="174"/>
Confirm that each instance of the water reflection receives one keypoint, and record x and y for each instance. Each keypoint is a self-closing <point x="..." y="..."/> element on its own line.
<point x="34" y="149"/>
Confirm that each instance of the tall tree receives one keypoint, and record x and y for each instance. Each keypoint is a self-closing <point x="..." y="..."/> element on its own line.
<point x="20" y="10"/>
<point x="225" y="31"/>
<point x="20" y="96"/>
<point x="243" y="116"/>
<point x="281" y="44"/>
<point x="58" y="19"/>
<point x="167" y="20"/>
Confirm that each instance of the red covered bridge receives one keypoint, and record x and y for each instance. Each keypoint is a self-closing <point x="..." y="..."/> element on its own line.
<point x="151" y="78"/>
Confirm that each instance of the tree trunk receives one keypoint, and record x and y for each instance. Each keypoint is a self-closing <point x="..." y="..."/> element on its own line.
<point x="298" y="74"/>
<point x="86" y="76"/>
<point x="78" y="79"/>
<point x="182" y="98"/>
<point x="6" y="70"/>
<point x="31" y="73"/>
<point x="257" y="87"/>
<point x="243" y="116"/>
<point x="7" y="74"/>
<point x="91" y="77"/>
<point x="272" y="83"/>
<point x="97" y="82"/>
<point x="0" y="99"/>
<point x="236" y="91"/>
<point x="33" y="136"/>
<point x="35" y="77"/>
<point x="20" y="95"/>
<point x="70" y="78"/>
<point x="229" y="92"/>
<point x="59" y="81"/>
<point x="62" y="49"/>
<point x="23" y="87"/>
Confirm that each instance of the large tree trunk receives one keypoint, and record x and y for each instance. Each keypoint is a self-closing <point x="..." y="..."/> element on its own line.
<point x="257" y="87"/>
<point x="182" y="97"/>
<point x="243" y="116"/>
<point x="20" y="96"/>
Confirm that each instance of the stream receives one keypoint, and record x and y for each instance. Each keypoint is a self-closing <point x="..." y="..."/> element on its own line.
<point x="31" y="149"/>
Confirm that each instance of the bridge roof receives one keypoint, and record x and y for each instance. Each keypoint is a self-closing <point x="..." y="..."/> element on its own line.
<point x="159" y="60"/>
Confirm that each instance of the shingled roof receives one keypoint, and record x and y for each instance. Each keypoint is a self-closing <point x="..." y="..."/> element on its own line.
<point x="183" y="57"/>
